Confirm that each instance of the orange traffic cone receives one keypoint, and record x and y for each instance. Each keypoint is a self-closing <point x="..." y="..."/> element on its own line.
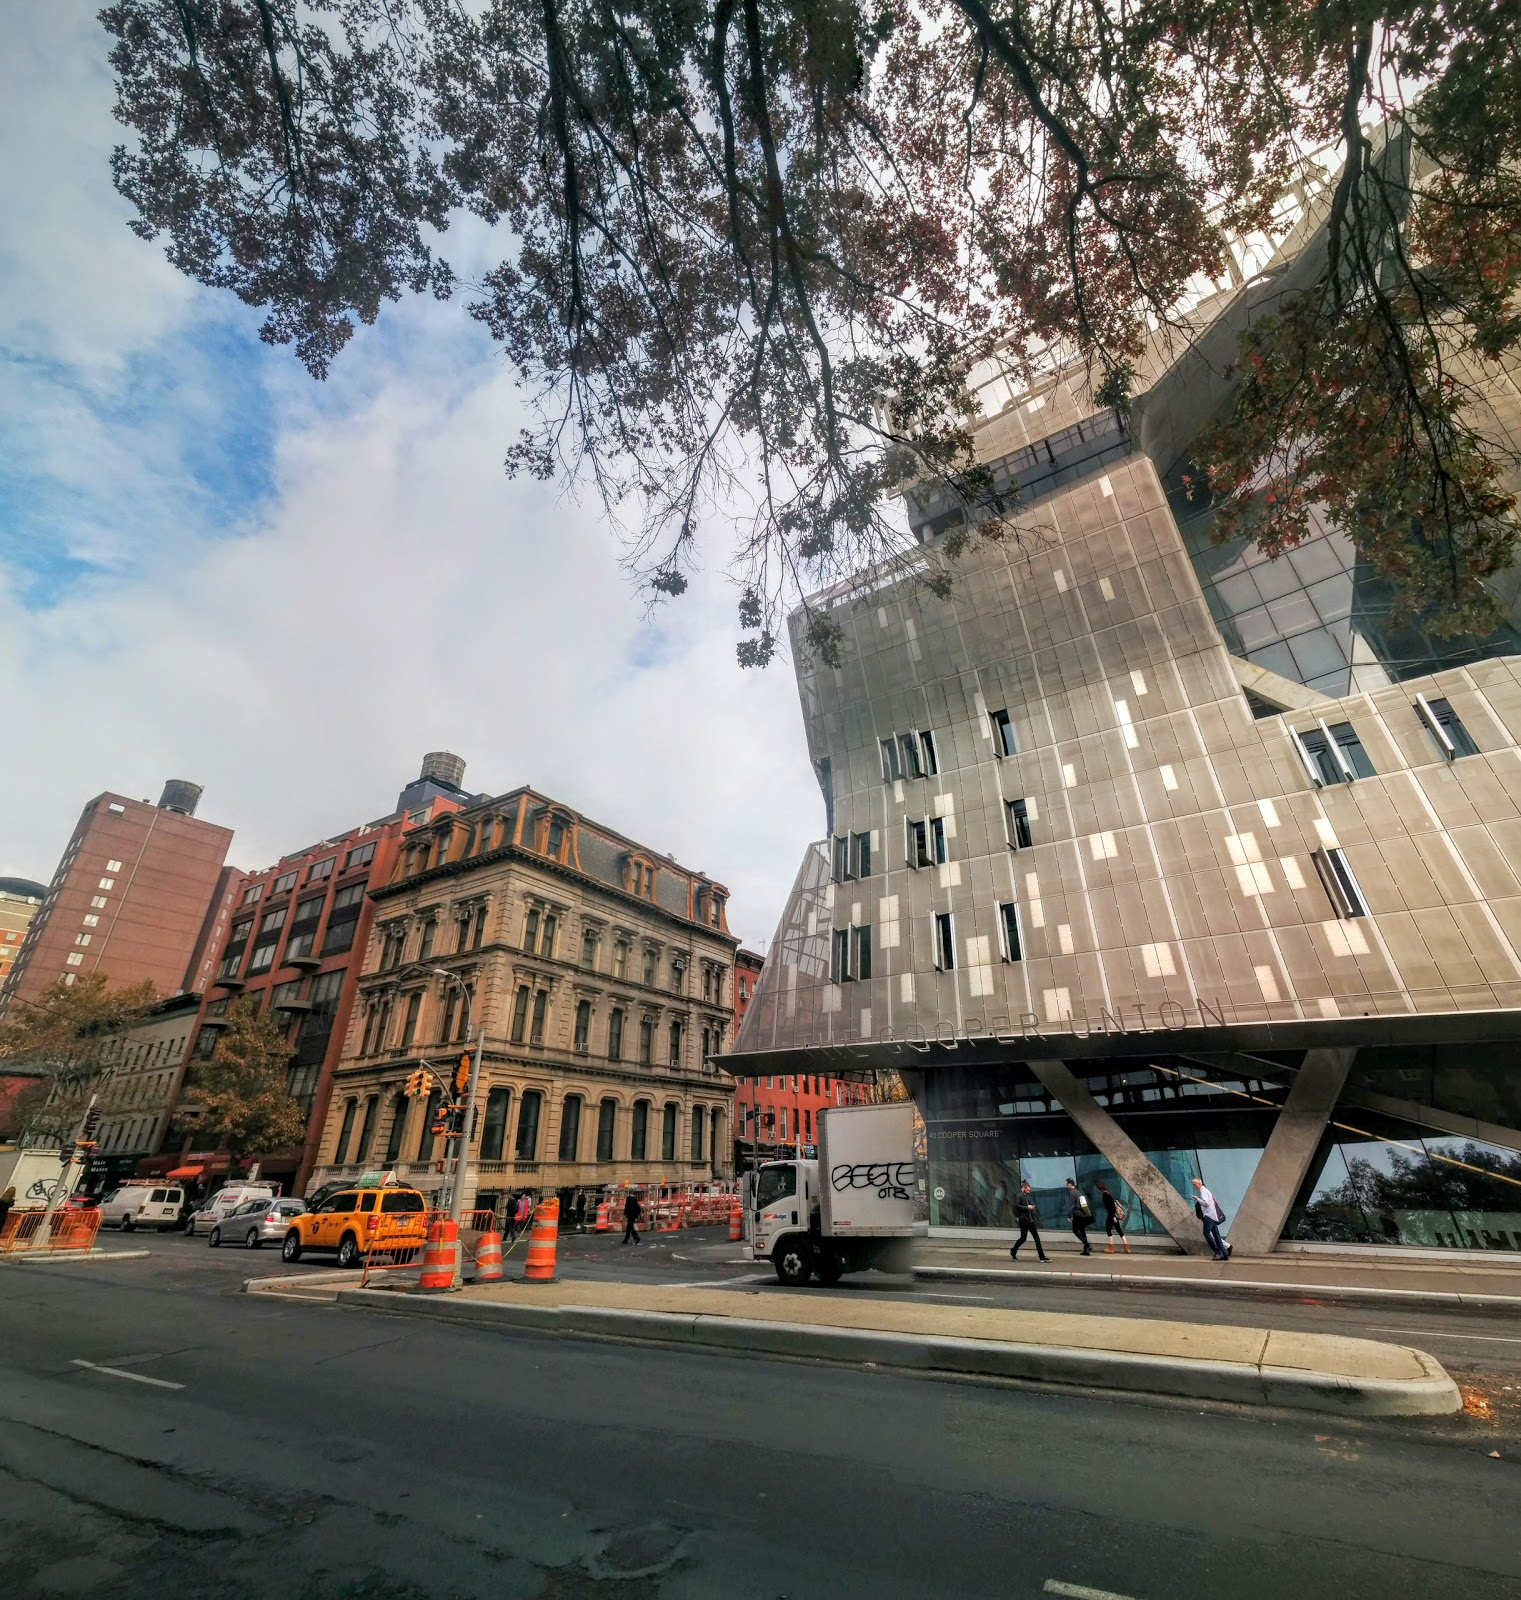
<point x="736" y="1222"/>
<point x="543" y="1243"/>
<point x="604" y="1208"/>
<point x="441" y="1259"/>
<point x="488" y="1258"/>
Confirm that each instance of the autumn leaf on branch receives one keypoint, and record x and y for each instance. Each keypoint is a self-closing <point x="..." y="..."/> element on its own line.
<point x="754" y="252"/>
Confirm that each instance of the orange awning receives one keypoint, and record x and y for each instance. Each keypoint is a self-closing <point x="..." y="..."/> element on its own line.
<point x="186" y="1172"/>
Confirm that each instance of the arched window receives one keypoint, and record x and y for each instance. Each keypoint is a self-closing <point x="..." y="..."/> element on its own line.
<point x="716" y="1141"/>
<point x="699" y="1131"/>
<point x="615" y="1035"/>
<point x="607" y="1122"/>
<point x="638" y="1149"/>
<point x="398" y="1129"/>
<point x="668" y="1134"/>
<point x="425" y="1137"/>
<point x="526" y="1147"/>
<point x="583" y="1026"/>
<point x="570" y="1127"/>
<point x="367" y="1130"/>
<point x="341" y="1151"/>
<point x="494" y="1127"/>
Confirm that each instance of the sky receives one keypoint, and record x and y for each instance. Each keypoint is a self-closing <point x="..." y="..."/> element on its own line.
<point x="213" y="567"/>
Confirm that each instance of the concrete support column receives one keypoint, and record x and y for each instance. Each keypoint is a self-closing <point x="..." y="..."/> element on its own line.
<point x="1258" y="1226"/>
<point x="1172" y="1210"/>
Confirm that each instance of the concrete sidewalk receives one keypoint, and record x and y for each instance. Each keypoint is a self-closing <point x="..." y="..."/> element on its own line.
<point x="1472" y="1285"/>
<point x="1252" y="1366"/>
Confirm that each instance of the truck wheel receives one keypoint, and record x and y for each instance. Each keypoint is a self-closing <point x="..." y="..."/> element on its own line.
<point x="127" y="1224"/>
<point x="830" y="1267"/>
<point x="348" y="1252"/>
<point x="291" y="1249"/>
<point x="793" y="1261"/>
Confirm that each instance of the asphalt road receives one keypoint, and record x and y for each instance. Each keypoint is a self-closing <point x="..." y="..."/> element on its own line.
<point x="164" y="1436"/>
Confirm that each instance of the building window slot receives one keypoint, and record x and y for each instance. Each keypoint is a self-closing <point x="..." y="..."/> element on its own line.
<point x="1340" y="882"/>
<point x="1452" y="737"/>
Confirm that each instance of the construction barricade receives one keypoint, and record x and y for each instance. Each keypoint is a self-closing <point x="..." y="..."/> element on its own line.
<point x="31" y="1232"/>
<point x="543" y="1243"/>
<point x="393" y="1256"/>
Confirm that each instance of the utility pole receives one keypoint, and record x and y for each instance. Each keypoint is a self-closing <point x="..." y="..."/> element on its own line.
<point x="63" y="1188"/>
<point x="462" y="1139"/>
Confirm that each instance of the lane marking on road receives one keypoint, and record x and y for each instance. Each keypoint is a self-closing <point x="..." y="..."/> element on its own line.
<point x="1078" y="1591"/>
<point x="136" y="1377"/>
<point x="1427" y="1333"/>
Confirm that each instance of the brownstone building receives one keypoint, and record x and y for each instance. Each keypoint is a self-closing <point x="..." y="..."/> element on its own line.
<point x="603" y="975"/>
<point x="134" y="897"/>
<point x="293" y="944"/>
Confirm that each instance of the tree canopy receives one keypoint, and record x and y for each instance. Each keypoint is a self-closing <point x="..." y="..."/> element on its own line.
<point x="767" y="241"/>
<point x="70" y="1039"/>
<point x="242" y="1092"/>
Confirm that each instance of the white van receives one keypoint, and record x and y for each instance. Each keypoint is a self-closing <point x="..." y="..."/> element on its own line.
<point x="142" y="1205"/>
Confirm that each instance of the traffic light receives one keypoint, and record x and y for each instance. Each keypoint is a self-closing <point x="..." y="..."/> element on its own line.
<point x="66" y="1153"/>
<point x="417" y="1082"/>
<point x="462" y="1074"/>
<point x="91" y="1126"/>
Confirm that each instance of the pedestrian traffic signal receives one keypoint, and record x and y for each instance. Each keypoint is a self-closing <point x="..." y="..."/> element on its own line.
<point x="462" y="1074"/>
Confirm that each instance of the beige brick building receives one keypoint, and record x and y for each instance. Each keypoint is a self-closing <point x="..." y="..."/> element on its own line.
<point x="603" y="975"/>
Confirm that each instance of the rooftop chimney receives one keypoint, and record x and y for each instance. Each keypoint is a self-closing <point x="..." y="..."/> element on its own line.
<point x="180" y="796"/>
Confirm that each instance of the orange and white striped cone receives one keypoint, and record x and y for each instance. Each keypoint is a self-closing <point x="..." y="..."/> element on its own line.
<point x="604" y="1210"/>
<point x="543" y="1243"/>
<point x="736" y="1222"/>
<point x="441" y="1258"/>
<point x="488" y="1258"/>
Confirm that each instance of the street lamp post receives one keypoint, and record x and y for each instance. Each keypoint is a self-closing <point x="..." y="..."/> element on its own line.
<point x="462" y="1140"/>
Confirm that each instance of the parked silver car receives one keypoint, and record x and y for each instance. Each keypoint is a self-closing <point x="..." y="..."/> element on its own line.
<point x="256" y="1222"/>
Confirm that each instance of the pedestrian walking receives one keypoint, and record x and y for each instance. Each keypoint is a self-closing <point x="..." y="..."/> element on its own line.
<point x="1029" y="1222"/>
<point x="7" y="1200"/>
<point x="1211" y="1213"/>
<point x="1081" y="1214"/>
<point x="632" y="1210"/>
<point x="580" y="1212"/>
<point x="1114" y="1219"/>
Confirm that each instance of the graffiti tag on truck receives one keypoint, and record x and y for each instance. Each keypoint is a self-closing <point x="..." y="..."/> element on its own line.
<point x="892" y="1180"/>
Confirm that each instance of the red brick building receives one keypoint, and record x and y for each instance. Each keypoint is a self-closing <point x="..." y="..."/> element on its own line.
<point x="294" y="943"/>
<point x="134" y="897"/>
<point x="778" y="1112"/>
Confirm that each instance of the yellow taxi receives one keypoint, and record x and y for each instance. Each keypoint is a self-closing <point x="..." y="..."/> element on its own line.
<point x="354" y="1221"/>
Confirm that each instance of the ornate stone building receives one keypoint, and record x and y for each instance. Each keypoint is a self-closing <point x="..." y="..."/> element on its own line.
<point x="603" y="975"/>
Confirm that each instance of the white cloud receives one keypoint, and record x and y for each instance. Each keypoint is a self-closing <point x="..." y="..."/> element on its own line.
<point x="391" y="593"/>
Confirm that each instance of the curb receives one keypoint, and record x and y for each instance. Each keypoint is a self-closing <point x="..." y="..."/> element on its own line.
<point x="1435" y="1299"/>
<point x="1433" y="1394"/>
<point x="43" y="1259"/>
<point x="301" y="1280"/>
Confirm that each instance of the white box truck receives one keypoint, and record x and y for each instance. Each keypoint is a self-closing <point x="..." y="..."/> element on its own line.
<point x="854" y="1208"/>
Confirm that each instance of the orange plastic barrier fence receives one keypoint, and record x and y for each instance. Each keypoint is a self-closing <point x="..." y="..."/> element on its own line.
<point x="24" y="1231"/>
<point x="388" y="1254"/>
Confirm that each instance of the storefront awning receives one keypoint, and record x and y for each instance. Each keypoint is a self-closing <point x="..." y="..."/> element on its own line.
<point x="187" y="1172"/>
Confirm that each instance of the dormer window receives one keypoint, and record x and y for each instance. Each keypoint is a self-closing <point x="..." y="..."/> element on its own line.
<point x="639" y="877"/>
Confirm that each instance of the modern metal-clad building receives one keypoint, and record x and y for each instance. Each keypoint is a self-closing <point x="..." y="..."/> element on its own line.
<point x="1148" y="858"/>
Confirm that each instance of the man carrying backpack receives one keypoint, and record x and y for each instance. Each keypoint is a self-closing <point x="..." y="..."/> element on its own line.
<point x="1081" y="1213"/>
<point x="1211" y="1213"/>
